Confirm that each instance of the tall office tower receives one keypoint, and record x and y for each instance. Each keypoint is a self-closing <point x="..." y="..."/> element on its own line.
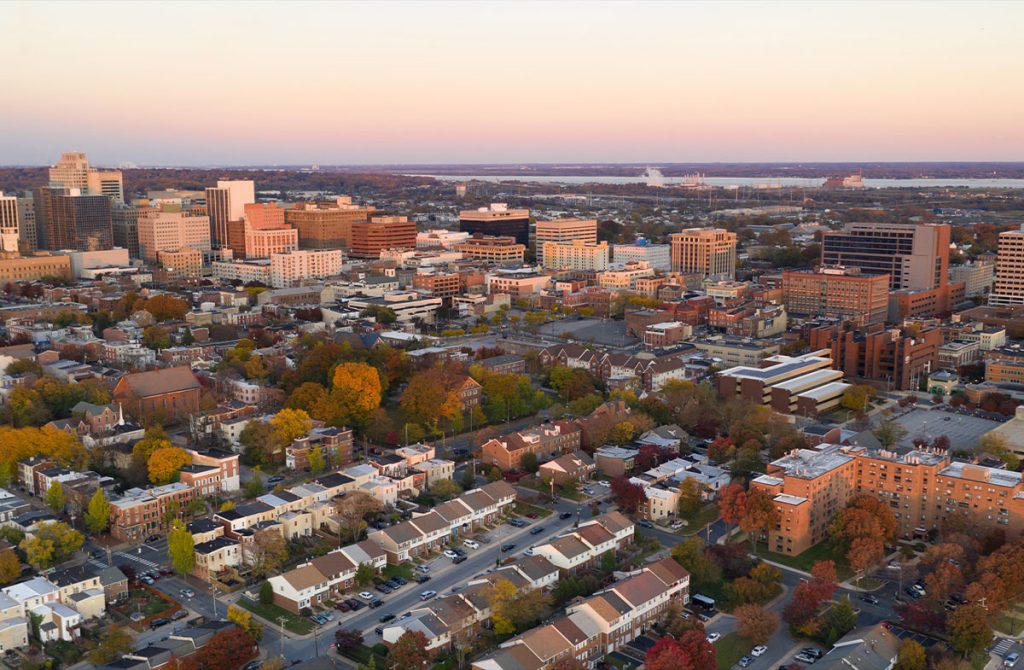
<point x="8" y="223"/>
<point x="264" y="215"/>
<point x="704" y="251"/>
<point x="170" y="228"/>
<point x="326" y="225"/>
<point x="67" y="220"/>
<point x="73" y="171"/>
<point x="497" y="220"/>
<point x="562" y="231"/>
<point x="1009" y="285"/>
<point x="381" y="233"/>
<point x="218" y="208"/>
<point x="914" y="255"/>
<point x="241" y="192"/>
<point x="29" y="240"/>
<point x="125" y="222"/>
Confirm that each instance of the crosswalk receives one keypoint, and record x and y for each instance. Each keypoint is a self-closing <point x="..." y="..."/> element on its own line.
<point x="138" y="559"/>
<point x="1002" y="646"/>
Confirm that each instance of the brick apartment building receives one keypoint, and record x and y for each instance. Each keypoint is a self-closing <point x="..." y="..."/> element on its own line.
<point x="923" y="488"/>
<point x="545" y="441"/>
<point x="803" y="385"/>
<point x="842" y="293"/>
<point x="380" y="233"/>
<point x="140" y="512"/>
<point x="899" y="358"/>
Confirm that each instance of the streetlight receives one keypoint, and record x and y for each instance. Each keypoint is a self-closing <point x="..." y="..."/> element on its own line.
<point x="280" y="623"/>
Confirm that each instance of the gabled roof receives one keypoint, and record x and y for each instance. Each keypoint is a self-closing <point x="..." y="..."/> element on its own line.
<point x="304" y="577"/>
<point x="546" y="642"/>
<point x="430" y="523"/>
<point x="640" y="589"/>
<point x="453" y="510"/>
<point x="668" y="571"/>
<point x="157" y="382"/>
<point x="333" y="563"/>
<point x="477" y="500"/>
<point x="498" y="490"/>
<point x="595" y="534"/>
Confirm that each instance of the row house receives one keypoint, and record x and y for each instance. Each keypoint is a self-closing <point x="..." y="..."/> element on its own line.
<point x="325" y="577"/>
<point x="585" y="545"/>
<point x="215" y="557"/>
<point x="598" y="625"/>
<point x="210" y="423"/>
<point x="574" y="467"/>
<point x="225" y="462"/>
<point x="429" y="531"/>
<point x="335" y="446"/>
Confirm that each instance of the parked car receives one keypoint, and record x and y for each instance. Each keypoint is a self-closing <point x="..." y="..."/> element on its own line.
<point x="758" y="650"/>
<point x="458" y="559"/>
<point x="1011" y="660"/>
<point x="713" y="637"/>
<point x="366" y="595"/>
<point x="537" y="530"/>
<point x="472" y="544"/>
<point x="276" y="479"/>
<point x="528" y="552"/>
<point x="427" y="595"/>
<point x="401" y="581"/>
<point x="386" y="618"/>
<point x="383" y="588"/>
<point x="405" y="616"/>
<point x="813" y="652"/>
<point x="343" y="606"/>
<point x="745" y="661"/>
<point x="188" y="593"/>
<point x="146" y="579"/>
<point x="565" y="515"/>
<point x="676" y="525"/>
<point x="449" y="553"/>
<point x="379" y="630"/>
<point x="356" y="605"/>
<point x="531" y="515"/>
<point x="646" y="524"/>
<point x="422" y="568"/>
<point x="589" y="491"/>
<point x="160" y="621"/>
<point x="804" y="658"/>
<point x="152" y="539"/>
<point x="375" y="603"/>
<point x="605" y="483"/>
<point x="391" y="584"/>
<point x="179" y="615"/>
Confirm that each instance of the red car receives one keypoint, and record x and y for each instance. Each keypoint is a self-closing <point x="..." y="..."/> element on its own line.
<point x="343" y="606"/>
<point x="531" y="515"/>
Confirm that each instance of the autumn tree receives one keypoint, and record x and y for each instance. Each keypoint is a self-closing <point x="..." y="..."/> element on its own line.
<point x="628" y="496"/>
<point x="409" y="652"/>
<point x="243" y="619"/>
<point x="759" y="515"/>
<point x="52" y="544"/>
<point x="181" y="548"/>
<point x="113" y="643"/>
<point x="10" y="567"/>
<point x="856" y="397"/>
<point x="668" y="654"/>
<point x="308" y="397"/>
<point x="911" y="656"/>
<point x="55" y="498"/>
<point x="97" y="515"/>
<point x="691" y="555"/>
<point x="889" y="433"/>
<point x="571" y="383"/>
<point x="732" y="501"/>
<point x="348" y="638"/>
<point x="969" y="629"/>
<point x="355" y="393"/>
<point x="721" y="450"/>
<point x="289" y="425"/>
<point x="165" y="464"/>
<point x="756" y="623"/>
<point x="516" y="611"/>
<point x="267" y="551"/>
<point x="154" y="439"/>
<point x="352" y="511"/>
<point x="432" y="398"/>
<point x="445" y="489"/>
<point x="229" y="649"/>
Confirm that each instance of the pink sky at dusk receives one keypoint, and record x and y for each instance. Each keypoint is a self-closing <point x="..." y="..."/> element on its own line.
<point x="191" y="83"/>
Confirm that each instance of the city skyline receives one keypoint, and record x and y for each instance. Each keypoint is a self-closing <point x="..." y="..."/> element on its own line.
<point x="393" y="83"/>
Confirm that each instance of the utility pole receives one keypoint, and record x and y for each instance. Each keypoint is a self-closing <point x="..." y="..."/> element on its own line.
<point x="213" y="596"/>
<point x="280" y="623"/>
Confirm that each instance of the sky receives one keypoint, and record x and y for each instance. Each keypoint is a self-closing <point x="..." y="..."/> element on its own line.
<point x="246" y="83"/>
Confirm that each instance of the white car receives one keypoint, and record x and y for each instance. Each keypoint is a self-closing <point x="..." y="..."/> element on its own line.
<point x="472" y="544"/>
<point x="366" y="595"/>
<point x="758" y="650"/>
<point x="450" y="554"/>
<point x="676" y="525"/>
<point x="604" y="483"/>
<point x="427" y="595"/>
<point x="529" y="552"/>
<point x="713" y="637"/>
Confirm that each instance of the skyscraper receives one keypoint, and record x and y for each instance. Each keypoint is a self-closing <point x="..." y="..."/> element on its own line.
<point x="241" y="192"/>
<point x="704" y="251"/>
<point x="67" y="220"/>
<point x="8" y="223"/>
<point x="170" y="228"/>
<point x="914" y="255"/>
<point x="497" y="220"/>
<point x="1009" y="285"/>
<point x="218" y="207"/>
<point x="29" y="240"/>
<point x="73" y="171"/>
<point x="125" y="222"/>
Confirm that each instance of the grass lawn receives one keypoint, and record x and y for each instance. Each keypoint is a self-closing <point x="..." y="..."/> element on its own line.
<point x="362" y="654"/>
<point x="819" y="552"/>
<point x="980" y="660"/>
<point x="1012" y="621"/>
<point x="701" y="519"/>
<point x="526" y="508"/>
<point x="731" y="649"/>
<point x="272" y="613"/>
<point x="404" y="570"/>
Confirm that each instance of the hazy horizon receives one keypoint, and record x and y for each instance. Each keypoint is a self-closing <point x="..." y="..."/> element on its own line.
<point x="443" y="83"/>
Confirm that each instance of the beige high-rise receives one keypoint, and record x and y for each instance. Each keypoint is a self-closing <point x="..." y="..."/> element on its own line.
<point x="1009" y="286"/>
<point x="563" y="231"/>
<point x="73" y="171"/>
<point x="171" y="228"/>
<point x="704" y="251"/>
<point x="8" y="223"/>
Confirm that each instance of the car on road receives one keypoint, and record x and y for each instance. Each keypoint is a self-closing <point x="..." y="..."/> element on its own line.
<point x="537" y="530"/>
<point x="758" y="650"/>
<point x="565" y="515"/>
<point x="366" y="595"/>
<point x="188" y="593"/>
<point x="471" y="544"/>
<point x="713" y="637"/>
<point x="427" y="595"/>
<point x="386" y="618"/>
<point x="98" y="553"/>
<point x="422" y="579"/>
<point x="646" y="524"/>
<point x="146" y="579"/>
<point x="507" y="547"/>
<point x="160" y="621"/>
<point x="870" y="599"/>
<point x="276" y="479"/>
<point x="179" y="615"/>
<point x="1011" y="660"/>
<point x="745" y="661"/>
<point x="449" y="553"/>
<point x="458" y="559"/>
<point x="379" y="630"/>
<point x="153" y="538"/>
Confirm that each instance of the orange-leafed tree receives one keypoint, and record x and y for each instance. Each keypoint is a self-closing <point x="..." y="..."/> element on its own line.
<point x="165" y="463"/>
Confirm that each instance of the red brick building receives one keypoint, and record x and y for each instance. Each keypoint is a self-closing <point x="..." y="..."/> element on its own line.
<point x="171" y="394"/>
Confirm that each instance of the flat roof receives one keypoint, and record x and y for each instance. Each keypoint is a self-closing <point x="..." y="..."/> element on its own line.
<point x="826" y="392"/>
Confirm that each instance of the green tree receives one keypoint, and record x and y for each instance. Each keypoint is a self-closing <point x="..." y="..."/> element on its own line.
<point x="55" y="498"/>
<point x="840" y="620"/>
<point x="53" y="543"/>
<point x="267" y="593"/>
<point x="889" y="433"/>
<point x="529" y="462"/>
<point x="365" y="574"/>
<point x="445" y="489"/>
<point x="969" y="629"/>
<point x="181" y="548"/>
<point x="317" y="462"/>
<point x="114" y="643"/>
<point x="97" y="515"/>
<point x="254" y="486"/>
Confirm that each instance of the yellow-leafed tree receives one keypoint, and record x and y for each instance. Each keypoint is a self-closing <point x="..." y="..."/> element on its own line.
<point x="165" y="463"/>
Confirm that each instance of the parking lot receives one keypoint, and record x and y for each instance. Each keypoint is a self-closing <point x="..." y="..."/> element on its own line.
<point x="904" y="634"/>
<point x="963" y="430"/>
